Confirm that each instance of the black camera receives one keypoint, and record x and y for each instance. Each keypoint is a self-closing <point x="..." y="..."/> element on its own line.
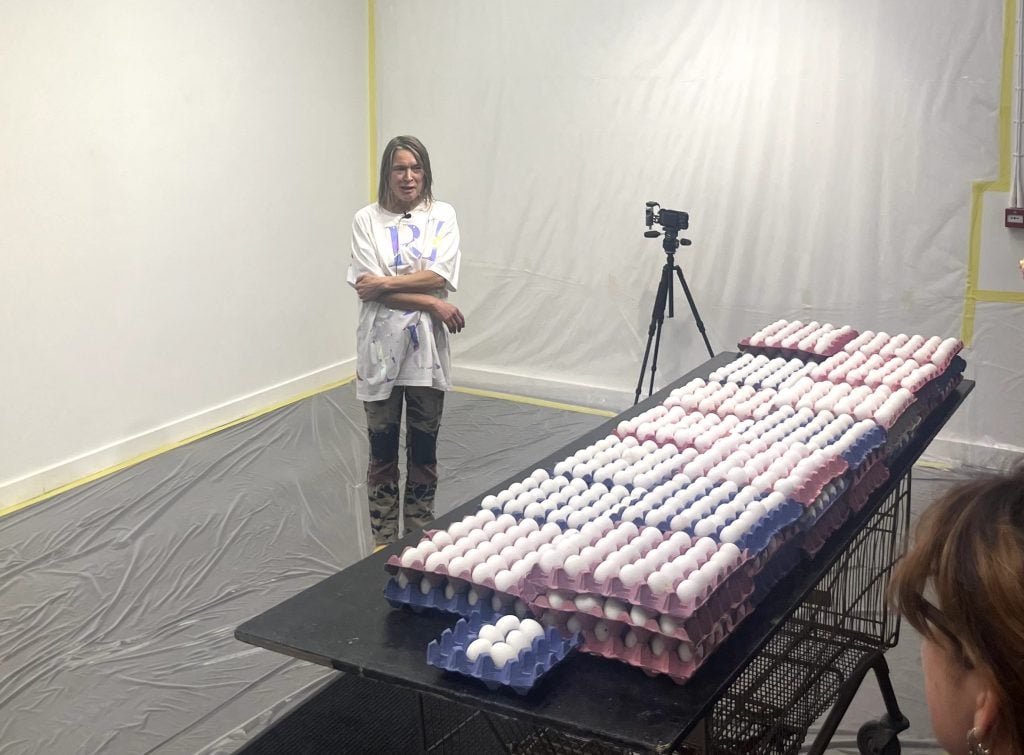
<point x="674" y="220"/>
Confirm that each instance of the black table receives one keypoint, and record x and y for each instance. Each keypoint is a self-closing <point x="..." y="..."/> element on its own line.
<point x="343" y="622"/>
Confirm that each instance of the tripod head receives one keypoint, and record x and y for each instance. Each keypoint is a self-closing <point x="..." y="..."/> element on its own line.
<point x="671" y="222"/>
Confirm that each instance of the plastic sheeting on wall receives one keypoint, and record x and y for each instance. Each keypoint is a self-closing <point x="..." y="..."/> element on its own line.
<point x="824" y="150"/>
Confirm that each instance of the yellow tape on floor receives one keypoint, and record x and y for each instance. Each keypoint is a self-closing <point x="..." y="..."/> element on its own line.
<point x="169" y="447"/>
<point x="536" y="402"/>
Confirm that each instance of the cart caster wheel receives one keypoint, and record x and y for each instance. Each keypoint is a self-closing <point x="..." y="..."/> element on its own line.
<point x="876" y="738"/>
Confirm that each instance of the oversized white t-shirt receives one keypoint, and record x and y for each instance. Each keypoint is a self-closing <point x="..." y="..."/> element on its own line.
<point x="396" y="347"/>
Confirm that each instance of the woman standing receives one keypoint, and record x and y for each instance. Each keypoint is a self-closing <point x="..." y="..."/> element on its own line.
<point x="405" y="260"/>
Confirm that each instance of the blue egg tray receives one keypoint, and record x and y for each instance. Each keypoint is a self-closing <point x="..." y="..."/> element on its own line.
<point x="412" y="597"/>
<point x="521" y="674"/>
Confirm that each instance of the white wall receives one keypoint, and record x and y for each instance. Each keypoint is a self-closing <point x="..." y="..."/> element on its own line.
<point x="824" y="149"/>
<point x="177" y="182"/>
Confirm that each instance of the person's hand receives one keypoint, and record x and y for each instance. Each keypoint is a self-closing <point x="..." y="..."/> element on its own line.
<point x="450" y="315"/>
<point x="371" y="287"/>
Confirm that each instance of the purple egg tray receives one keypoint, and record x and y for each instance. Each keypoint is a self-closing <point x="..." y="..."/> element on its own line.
<point x="412" y="597"/>
<point x="449" y="653"/>
<point x="865" y="446"/>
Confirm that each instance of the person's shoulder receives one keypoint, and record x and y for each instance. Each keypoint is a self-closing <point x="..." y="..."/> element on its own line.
<point x="369" y="212"/>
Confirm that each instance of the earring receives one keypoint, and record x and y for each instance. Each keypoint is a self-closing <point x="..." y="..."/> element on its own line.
<point x="974" y="745"/>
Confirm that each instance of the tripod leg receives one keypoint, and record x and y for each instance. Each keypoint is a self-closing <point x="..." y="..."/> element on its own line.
<point x="696" y="314"/>
<point x="657" y="318"/>
<point x="654" y="360"/>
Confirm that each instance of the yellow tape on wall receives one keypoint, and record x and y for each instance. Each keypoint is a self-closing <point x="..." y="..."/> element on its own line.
<point x="973" y="294"/>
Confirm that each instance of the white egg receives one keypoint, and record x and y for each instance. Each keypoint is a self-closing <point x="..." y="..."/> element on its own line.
<point x="586" y="603"/>
<point x="425" y="586"/>
<point x="482" y="573"/>
<point x="477" y="647"/>
<point x="658" y="645"/>
<point x="518" y="640"/>
<point x="668" y="624"/>
<point x="506" y="624"/>
<point x="531" y="628"/>
<point x="685" y="652"/>
<point x="615" y="609"/>
<point x="505" y="580"/>
<point x="602" y="631"/>
<point x="639" y="615"/>
<point x="434" y="561"/>
<point x="559" y="599"/>
<point x="502" y="653"/>
<point x="687" y="591"/>
<point x="409" y="556"/>
<point x="491" y="633"/>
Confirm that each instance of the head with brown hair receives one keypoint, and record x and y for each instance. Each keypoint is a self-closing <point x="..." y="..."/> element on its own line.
<point x="405" y="176"/>
<point x="961" y="585"/>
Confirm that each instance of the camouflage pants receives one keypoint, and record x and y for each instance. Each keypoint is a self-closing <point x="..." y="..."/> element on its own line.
<point x="423" y="408"/>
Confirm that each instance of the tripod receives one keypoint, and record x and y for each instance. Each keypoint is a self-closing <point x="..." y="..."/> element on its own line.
<point x="664" y="295"/>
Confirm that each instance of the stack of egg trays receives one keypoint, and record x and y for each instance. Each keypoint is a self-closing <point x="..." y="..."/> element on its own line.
<point x="491" y="602"/>
<point x="779" y="560"/>
<point x="933" y="394"/>
<point x="678" y="666"/>
<point x="694" y="620"/>
<point x="700" y="627"/>
<point x="521" y="674"/>
<point x="412" y="597"/>
<point x="777" y="352"/>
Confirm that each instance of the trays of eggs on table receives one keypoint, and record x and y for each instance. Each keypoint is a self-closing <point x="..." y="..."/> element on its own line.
<point x="475" y="566"/>
<point x="662" y="646"/>
<point x="506" y="652"/>
<point x="795" y="339"/>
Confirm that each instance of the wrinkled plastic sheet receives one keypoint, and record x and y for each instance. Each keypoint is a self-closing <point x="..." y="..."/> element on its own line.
<point x="119" y="599"/>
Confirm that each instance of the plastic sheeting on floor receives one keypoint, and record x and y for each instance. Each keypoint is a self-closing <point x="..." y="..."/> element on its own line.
<point x="119" y="599"/>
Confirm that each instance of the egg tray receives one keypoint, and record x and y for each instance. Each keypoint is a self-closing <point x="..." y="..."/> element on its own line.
<point x="449" y="653"/>
<point x="869" y="443"/>
<point x="815" y="537"/>
<point x="439" y="577"/>
<point x="829" y="495"/>
<point x="668" y="663"/>
<point x="728" y="591"/>
<point x="836" y="515"/>
<point x="773" y="352"/>
<point x="754" y="540"/>
<point x="784" y="560"/>
<point x="415" y="599"/>
<point x="875" y="456"/>
<point x="810" y="490"/>
<point x="537" y="584"/>
<point x="865" y="482"/>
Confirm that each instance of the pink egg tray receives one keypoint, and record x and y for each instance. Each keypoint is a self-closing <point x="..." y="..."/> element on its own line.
<point x="655" y="653"/>
<point x="679" y="586"/>
<point x="795" y="338"/>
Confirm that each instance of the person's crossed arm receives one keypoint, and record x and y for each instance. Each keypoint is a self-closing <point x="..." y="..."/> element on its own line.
<point x="413" y="291"/>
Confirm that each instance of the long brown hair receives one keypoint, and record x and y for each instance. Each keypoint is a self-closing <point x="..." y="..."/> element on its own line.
<point x="969" y="553"/>
<point x="414" y="145"/>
